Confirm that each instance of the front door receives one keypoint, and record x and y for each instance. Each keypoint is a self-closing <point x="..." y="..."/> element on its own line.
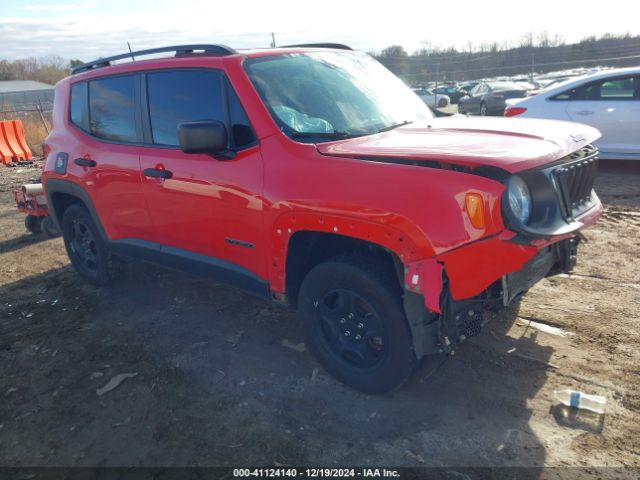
<point x="205" y="207"/>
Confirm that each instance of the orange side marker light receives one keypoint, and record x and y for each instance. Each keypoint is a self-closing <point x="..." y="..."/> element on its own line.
<point x="475" y="209"/>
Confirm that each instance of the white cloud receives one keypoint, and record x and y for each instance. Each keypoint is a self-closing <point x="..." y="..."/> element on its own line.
<point x="59" y="7"/>
<point x="82" y="30"/>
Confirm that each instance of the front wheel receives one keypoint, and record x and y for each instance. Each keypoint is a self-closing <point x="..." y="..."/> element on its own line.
<point x="88" y="253"/>
<point x="483" y="109"/>
<point x="442" y="103"/>
<point x="355" y="324"/>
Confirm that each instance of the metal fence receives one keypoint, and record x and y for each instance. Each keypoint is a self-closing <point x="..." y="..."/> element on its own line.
<point x="21" y="100"/>
<point x="42" y="112"/>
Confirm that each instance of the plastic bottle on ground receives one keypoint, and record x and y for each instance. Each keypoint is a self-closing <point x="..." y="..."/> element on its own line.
<point x="575" y="399"/>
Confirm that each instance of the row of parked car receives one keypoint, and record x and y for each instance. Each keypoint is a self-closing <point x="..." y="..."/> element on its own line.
<point x="608" y="100"/>
<point x="440" y="97"/>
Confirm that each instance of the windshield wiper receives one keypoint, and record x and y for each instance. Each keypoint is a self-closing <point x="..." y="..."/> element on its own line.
<point x="391" y="127"/>
<point x="336" y="134"/>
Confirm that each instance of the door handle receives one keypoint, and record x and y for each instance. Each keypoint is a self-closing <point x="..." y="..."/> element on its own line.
<point x="85" y="162"/>
<point x="156" y="172"/>
<point x="584" y="112"/>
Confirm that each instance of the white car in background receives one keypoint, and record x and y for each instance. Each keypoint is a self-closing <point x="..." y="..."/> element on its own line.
<point x="608" y="101"/>
<point x="432" y="99"/>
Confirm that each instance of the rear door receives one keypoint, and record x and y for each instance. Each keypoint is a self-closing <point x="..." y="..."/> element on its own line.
<point x="612" y="106"/>
<point x="208" y="208"/>
<point x="104" y="153"/>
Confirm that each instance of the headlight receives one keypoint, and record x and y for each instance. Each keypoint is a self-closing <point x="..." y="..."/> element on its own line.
<point x="519" y="199"/>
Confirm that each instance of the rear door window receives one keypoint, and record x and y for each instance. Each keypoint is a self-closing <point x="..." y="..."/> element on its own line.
<point x="112" y="108"/>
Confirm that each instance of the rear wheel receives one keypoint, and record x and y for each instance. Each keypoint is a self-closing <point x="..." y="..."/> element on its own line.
<point x="49" y="227"/>
<point x="483" y="109"/>
<point x="32" y="224"/>
<point x="461" y="108"/>
<point x="442" y="103"/>
<point x="355" y="324"/>
<point x="88" y="253"/>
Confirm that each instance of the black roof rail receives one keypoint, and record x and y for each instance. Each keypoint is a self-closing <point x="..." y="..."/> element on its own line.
<point x="338" y="46"/>
<point x="218" y="50"/>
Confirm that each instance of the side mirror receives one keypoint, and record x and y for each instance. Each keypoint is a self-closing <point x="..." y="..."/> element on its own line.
<point x="206" y="136"/>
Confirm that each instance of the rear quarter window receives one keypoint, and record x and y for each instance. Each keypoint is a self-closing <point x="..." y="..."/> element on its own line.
<point x="78" y="106"/>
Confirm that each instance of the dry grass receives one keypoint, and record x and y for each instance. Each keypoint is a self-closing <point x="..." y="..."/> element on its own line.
<point x="34" y="129"/>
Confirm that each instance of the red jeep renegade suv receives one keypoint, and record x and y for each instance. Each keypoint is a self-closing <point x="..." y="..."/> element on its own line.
<point x="313" y="176"/>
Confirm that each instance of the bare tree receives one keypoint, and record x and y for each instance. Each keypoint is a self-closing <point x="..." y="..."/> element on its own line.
<point x="48" y="69"/>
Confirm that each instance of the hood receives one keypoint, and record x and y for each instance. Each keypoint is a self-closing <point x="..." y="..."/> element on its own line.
<point x="512" y="144"/>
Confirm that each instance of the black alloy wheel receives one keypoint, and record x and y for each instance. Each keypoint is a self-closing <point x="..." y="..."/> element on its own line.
<point x="88" y="252"/>
<point x="352" y="329"/>
<point x="355" y="324"/>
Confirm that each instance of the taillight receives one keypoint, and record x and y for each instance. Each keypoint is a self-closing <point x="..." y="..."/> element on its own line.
<point x="513" y="111"/>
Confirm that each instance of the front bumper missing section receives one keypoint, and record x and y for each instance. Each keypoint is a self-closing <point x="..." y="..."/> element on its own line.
<point x="438" y="320"/>
<point x="560" y="257"/>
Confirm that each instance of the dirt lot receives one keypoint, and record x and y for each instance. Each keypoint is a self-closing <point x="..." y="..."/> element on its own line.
<point x="216" y="386"/>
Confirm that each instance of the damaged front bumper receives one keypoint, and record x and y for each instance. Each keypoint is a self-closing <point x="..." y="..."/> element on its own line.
<point x="443" y="309"/>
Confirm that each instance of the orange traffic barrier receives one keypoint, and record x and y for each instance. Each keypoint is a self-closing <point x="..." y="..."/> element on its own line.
<point x="13" y="145"/>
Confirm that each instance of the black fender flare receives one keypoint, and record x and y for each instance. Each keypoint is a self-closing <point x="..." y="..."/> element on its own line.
<point x="58" y="185"/>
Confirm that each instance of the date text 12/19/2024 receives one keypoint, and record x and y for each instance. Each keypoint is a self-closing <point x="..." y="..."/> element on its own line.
<point x="315" y="472"/>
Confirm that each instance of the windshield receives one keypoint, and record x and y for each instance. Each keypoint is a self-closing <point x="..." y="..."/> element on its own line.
<point x="333" y="94"/>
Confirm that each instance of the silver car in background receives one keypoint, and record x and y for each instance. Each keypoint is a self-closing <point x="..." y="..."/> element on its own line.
<point x="432" y="99"/>
<point x="489" y="98"/>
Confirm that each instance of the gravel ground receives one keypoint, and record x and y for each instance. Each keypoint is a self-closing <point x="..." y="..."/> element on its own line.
<point x="212" y="383"/>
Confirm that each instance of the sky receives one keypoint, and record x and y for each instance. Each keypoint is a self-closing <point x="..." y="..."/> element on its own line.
<point x="89" y="29"/>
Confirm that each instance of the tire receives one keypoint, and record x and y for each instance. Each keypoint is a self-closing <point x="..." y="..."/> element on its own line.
<point x="350" y="297"/>
<point x="32" y="224"/>
<point x="49" y="228"/>
<point x="442" y="103"/>
<point x="461" y="109"/>
<point x="88" y="253"/>
<point x="483" y="109"/>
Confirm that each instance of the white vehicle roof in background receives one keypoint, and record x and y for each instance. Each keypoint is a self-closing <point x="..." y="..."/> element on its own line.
<point x="575" y="81"/>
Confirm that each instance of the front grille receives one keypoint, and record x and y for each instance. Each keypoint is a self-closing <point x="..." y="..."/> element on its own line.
<point x="575" y="180"/>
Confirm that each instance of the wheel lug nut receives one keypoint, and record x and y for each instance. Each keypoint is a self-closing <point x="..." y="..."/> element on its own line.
<point x="343" y="320"/>
<point x="361" y="325"/>
<point x="351" y="316"/>
<point x="347" y="333"/>
<point x="358" y="337"/>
